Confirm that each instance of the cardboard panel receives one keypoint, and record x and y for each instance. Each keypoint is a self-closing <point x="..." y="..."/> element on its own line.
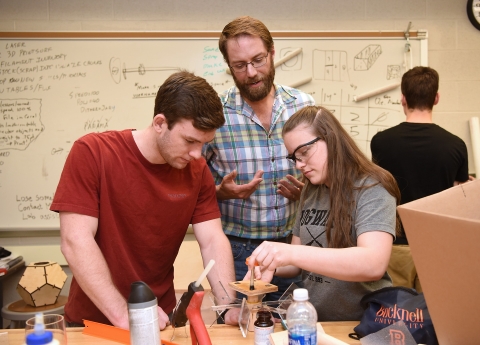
<point x="443" y="231"/>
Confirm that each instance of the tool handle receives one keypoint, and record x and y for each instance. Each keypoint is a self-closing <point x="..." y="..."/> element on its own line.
<point x="179" y="315"/>
<point x="204" y="273"/>
<point x="198" y="331"/>
<point x="248" y="260"/>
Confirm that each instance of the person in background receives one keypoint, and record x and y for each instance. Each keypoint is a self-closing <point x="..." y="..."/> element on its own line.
<point x="126" y="199"/>
<point x="423" y="157"/>
<point x="346" y="220"/>
<point x="257" y="190"/>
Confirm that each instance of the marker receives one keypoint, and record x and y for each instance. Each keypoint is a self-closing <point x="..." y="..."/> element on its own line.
<point x="376" y="92"/>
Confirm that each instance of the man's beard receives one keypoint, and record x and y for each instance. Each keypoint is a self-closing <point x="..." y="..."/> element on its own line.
<point x="256" y="94"/>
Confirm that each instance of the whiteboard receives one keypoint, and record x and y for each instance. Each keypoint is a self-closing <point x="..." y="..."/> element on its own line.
<point x="55" y="89"/>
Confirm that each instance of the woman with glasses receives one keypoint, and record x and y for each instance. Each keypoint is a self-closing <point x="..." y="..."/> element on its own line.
<point x="346" y="221"/>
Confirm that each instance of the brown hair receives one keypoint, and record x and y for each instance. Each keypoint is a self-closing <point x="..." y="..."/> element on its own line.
<point x="346" y="164"/>
<point x="420" y="87"/>
<point x="186" y="96"/>
<point x="244" y="26"/>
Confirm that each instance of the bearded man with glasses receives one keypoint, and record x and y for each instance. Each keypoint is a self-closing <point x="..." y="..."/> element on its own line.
<point x="257" y="189"/>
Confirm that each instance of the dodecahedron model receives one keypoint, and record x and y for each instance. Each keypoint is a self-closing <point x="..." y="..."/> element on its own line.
<point x="41" y="283"/>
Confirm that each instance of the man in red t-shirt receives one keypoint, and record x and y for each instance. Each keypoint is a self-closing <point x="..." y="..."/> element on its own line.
<point x="126" y="199"/>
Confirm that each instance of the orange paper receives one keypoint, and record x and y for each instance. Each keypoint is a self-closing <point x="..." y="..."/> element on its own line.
<point x="112" y="333"/>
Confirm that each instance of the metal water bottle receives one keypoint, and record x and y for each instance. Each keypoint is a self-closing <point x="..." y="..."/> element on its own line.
<point x="301" y="320"/>
<point x="143" y="315"/>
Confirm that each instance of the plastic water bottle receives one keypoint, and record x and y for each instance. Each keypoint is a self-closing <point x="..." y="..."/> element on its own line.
<point x="40" y="336"/>
<point x="301" y="320"/>
<point x="143" y="315"/>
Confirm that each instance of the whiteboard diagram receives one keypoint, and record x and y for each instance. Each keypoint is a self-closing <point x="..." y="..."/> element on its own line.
<point x="116" y="72"/>
<point x="292" y="64"/>
<point x="365" y="59"/>
<point x="330" y="65"/>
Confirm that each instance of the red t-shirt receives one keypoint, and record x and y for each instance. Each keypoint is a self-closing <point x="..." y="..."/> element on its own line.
<point x="143" y="212"/>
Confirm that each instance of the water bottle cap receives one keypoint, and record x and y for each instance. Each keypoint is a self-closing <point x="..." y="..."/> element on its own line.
<point x="300" y="294"/>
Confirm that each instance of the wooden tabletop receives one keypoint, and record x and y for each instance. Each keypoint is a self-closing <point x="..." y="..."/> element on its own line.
<point x="219" y="334"/>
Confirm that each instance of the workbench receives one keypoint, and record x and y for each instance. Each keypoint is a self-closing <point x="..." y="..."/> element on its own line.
<point x="219" y="334"/>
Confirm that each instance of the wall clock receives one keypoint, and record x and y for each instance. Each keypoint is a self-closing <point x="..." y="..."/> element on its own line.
<point x="473" y="12"/>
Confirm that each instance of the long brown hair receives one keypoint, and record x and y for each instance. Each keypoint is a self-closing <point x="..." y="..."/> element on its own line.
<point x="346" y="164"/>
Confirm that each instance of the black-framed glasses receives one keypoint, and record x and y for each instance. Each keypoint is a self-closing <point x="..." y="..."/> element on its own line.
<point x="305" y="151"/>
<point x="257" y="62"/>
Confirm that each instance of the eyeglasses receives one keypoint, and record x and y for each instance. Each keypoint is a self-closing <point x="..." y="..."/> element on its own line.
<point x="257" y="62"/>
<point x="306" y="151"/>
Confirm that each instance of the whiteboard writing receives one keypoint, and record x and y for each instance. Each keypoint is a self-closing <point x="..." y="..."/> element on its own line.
<point x="21" y="123"/>
<point x="53" y="91"/>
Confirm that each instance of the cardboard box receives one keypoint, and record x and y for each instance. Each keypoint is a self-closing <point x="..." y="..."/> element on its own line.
<point x="443" y="232"/>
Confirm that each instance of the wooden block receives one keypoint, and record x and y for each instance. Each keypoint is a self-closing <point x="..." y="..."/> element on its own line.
<point x="261" y="287"/>
<point x="33" y="278"/>
<point x="55" y="275"/>
<point x="41" y="283"/>
<point x="46" y="295"/>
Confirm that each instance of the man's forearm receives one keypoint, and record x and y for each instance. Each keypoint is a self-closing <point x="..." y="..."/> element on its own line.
<point x="222" y="272"/>
<point x="92" y="274"/>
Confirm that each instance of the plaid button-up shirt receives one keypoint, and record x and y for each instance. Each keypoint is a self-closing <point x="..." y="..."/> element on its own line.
<point x="244" y="145"/>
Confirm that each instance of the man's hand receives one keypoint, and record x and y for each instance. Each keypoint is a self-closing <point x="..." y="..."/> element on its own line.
<point x="231" y="316"/>
<point x="228" y="189"/>
<point x="291" y="188"/>
<point x="163" y="320"/>
<point x="261" y="273"/>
